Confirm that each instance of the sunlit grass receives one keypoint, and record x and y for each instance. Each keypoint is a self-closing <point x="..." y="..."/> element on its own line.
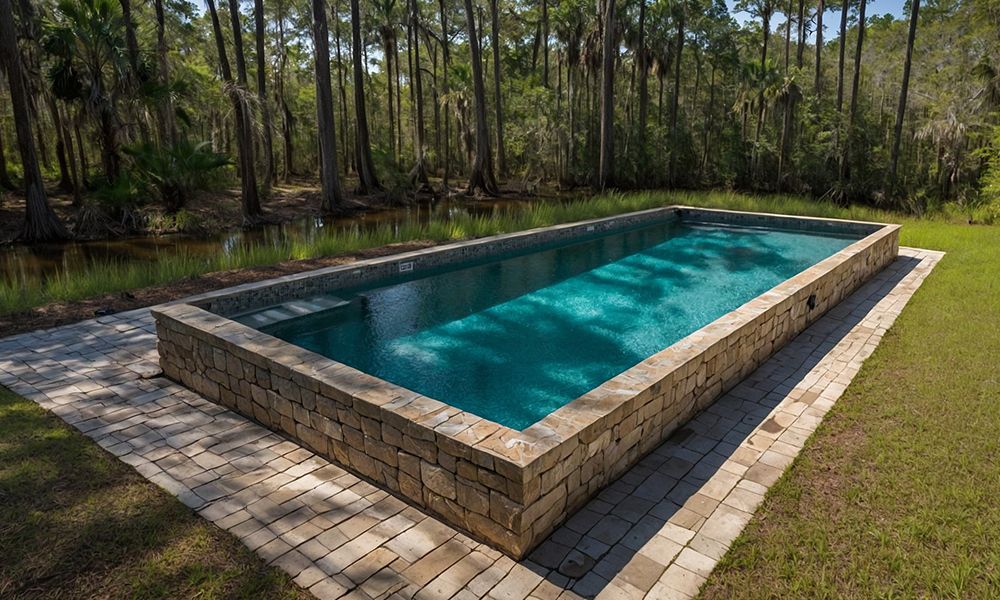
<point x="895" y="495"/>
<point x="23" y="293"/>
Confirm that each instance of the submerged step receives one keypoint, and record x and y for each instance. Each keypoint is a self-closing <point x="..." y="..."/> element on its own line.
<point x="289" y="310"/>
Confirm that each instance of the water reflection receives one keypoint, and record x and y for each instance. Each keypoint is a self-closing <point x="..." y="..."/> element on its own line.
<point x="42" y="261"/>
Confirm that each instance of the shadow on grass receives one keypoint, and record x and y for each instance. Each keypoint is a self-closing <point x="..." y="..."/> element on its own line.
<point x="77" y="523"/>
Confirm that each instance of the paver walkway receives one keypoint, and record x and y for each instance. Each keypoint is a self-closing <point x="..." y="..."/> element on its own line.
<point x="657" y="532"/>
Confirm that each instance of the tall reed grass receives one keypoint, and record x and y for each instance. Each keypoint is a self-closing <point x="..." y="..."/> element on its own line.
<point x="99" y="279"/>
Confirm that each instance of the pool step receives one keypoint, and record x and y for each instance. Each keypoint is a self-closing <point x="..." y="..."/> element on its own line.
<point x="289" y="310"/>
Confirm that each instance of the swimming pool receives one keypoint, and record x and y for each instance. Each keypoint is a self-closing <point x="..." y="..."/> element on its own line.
<point x="514" y="338"/>
<point x="500" y="383"/>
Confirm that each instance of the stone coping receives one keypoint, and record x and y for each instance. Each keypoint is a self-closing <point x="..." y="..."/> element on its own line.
<point x="519" y="459"/>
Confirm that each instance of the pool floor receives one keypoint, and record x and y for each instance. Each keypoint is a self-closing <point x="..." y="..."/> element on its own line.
<point x="512" y="340"/>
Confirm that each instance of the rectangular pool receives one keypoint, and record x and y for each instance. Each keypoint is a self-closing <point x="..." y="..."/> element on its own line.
<point x="500" y="383"/>
<point x="514" y="338"/>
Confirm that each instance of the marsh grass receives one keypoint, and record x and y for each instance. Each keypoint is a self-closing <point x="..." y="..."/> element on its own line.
<point x="23" y="293"/>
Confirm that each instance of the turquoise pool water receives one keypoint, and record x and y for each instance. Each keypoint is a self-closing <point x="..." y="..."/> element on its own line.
<point x="512" y="340"/>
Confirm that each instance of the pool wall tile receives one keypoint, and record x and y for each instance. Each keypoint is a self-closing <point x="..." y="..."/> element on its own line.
<point x="510" y="488"/>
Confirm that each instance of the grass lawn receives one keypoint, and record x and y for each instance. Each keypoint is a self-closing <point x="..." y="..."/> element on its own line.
<point x="75" y="522"/>
<point x="896" y="495"/>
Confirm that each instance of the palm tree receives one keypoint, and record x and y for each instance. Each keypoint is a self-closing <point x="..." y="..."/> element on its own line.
<point x="332" y="195"/>
<point x="897" y="131"/>
<point x="367" y="178"/>
<point x="86" y="43"/>
<point x="40" y="222"/>
<point x="481" y="175"/>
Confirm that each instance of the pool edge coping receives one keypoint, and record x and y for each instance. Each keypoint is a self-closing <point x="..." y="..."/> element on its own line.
<point x="518" y="455"/>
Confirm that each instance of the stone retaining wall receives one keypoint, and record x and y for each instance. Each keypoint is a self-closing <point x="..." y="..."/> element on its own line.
<point x="510" y="488"/>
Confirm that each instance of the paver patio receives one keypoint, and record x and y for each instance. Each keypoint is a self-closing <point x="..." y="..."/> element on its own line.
<point x="656" y="532"/>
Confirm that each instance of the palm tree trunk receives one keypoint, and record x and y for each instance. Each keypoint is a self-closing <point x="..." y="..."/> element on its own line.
<point x="367" y="178"/>
<point x="903" y="90"/>
<point x="265" y="110"/>
<point x="481" y="174"/>
<point x="332" y="195"/>
<point x="40" y="221"/>
<point x="497" y="104"/>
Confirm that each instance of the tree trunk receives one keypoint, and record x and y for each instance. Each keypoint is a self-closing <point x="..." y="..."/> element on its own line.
<point x="244" y="147"/>
<point x="903" y="91"/>
<point x="367" y="178"/>
<point x="267" y="160"/>
<point x="390" y="95"/>
<point x="419" y="171"/>
<point x="800" y="35"/>
<point x="606" y="170"/>
<point x="399" y="101"/>
<point x="708" y="125"/>
<point x="332" y="196"/>
<point x="40" y="221"/>
<point x="81" y="151"/>
<point x="65" y="179"/>
<point x="817" y="84"/>
<point x="497" y="104"/>
<point x="843" y="48"/>
<point x="165" y="112"/>
<point x="545" y="43"/>
<point x="855" y="83"/>
<point x="765" y="24"/>
<point x="344" y="138"/>
<point x="5" y="181"/>
<point x="788" y="34"/>
<point x="675" y="101"/>
<point x="643" y="78"/>
<point x="481" y="173"/>
<point x="445" y="60"/>
<point x="286" y="113"/>
<point x="251" y="199"/>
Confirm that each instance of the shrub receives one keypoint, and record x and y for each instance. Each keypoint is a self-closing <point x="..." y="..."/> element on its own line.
<point x="175" y="171"/>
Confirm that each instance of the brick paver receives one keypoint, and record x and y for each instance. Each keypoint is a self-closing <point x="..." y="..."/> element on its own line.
<point x="656" y="532"/>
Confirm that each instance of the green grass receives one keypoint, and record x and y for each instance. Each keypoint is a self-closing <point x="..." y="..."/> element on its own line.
<point x="897" y="494"/>
<point x="21" y="294"/>
<point x="75" y="522"/>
